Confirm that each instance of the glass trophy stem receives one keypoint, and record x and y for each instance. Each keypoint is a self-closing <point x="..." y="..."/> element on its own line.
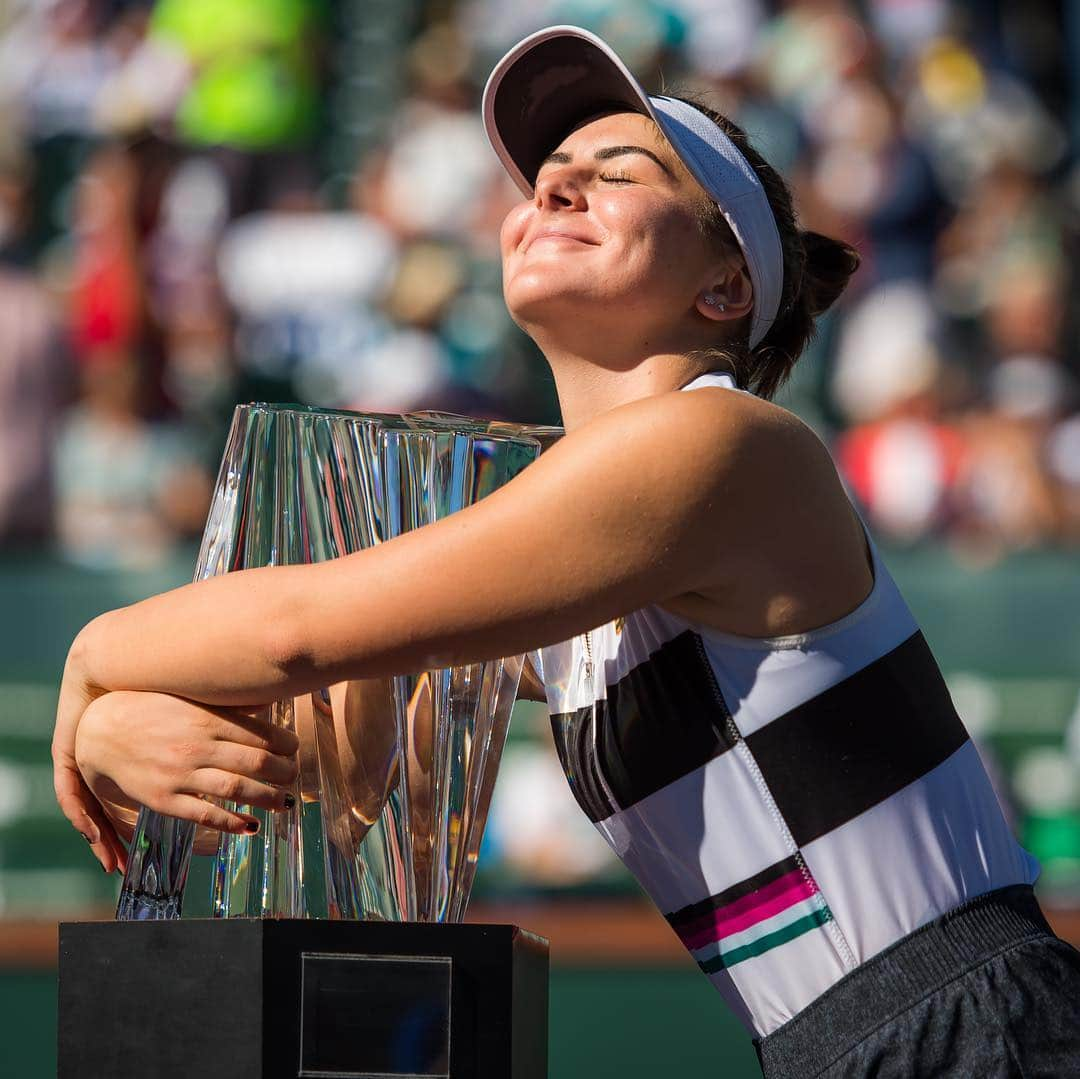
<point x="158" y="861"/>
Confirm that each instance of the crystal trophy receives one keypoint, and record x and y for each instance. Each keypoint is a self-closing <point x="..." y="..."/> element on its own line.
<point x="397" y="773"/>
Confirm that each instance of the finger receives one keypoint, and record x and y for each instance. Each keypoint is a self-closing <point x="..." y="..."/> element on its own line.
<point x="118" y="843"/>
<point x="252" y="763"/>
<point x="81" y="808"/>
<point x="239" y="789"/>
<point x="258" y="731"/>
<point x="101" y="836"/>
<point x="208" y="815"/>
<point x="109" y="850"/>
<point x="116" y="848"/>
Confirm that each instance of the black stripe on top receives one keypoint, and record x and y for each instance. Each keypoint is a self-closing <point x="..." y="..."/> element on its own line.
<point x="661" y="720"/>
<point x="573" y="732"/>
<point x="737" y="891"/>
<point x="857" y="743"/>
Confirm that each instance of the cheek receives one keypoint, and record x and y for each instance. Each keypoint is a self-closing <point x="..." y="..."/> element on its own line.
<point x="655" y="240"/>
<point x="513" y="227"/>
<point x="679" y="242"/>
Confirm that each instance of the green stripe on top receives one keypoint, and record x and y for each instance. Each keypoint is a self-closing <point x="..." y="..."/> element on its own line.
<point x="768" y="942"/>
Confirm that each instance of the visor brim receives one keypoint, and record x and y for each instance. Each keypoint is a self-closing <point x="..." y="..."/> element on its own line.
<point x="546" y="86"/>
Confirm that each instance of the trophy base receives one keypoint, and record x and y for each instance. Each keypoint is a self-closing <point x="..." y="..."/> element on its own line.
<point x="266" y="999"/>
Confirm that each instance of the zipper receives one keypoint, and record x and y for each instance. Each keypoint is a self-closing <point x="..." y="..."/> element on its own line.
<point x="730" y="731"/>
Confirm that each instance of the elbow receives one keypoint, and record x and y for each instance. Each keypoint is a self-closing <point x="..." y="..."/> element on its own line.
<point x="287" y="651"/>
<point x="84" y="658"/>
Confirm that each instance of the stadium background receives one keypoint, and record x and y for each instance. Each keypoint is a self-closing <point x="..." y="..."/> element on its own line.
<point x="211" y="201"/>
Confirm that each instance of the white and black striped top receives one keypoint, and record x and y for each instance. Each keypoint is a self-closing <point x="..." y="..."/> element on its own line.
<point x="793" y="805"/>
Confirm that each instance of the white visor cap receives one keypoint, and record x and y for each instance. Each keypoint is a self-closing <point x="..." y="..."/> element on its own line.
<point x="555" y="78"/>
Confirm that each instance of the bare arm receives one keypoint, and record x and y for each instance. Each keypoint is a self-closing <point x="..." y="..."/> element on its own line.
<point x="622" y="513"/>
<point x="626" y="511"/>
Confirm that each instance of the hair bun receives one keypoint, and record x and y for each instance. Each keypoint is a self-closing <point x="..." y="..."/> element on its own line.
<point x="829" y="266"/>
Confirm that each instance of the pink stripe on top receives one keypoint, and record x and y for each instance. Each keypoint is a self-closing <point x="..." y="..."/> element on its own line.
<point x="791" y="888"/>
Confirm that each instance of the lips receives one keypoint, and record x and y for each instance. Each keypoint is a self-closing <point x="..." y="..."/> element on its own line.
<point x="551" y="232"/>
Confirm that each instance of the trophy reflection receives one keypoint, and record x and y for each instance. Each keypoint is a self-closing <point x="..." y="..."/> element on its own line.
<point x="396" y="775"/>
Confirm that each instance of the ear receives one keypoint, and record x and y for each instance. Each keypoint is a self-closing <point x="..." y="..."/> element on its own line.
<point x="730" y="296"/>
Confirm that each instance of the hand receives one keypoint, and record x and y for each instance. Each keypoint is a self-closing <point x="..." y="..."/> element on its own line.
<point x="72" y="794"/>
<point x="171" y="755"/>
<point x="124" y="816"/>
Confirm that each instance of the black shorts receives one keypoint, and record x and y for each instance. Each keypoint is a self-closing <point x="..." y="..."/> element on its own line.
<point x="986" y="991"/>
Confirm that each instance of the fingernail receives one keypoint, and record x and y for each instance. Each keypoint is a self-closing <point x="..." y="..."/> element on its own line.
<point x="106" y="870"/>
<point x="87" y="838"/>
<point x="290" y="801"/>
<point x="251" y="827"/>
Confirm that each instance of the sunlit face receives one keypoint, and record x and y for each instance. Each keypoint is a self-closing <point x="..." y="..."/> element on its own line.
<point x="612" y="234"/>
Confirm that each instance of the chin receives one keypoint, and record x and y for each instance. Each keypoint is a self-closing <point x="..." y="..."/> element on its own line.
<point x="533" y="294"/>
<point x="539" y="303"/>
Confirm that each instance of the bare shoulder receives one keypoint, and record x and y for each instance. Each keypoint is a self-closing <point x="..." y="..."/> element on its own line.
<point x="790" y="552"/>
<point x="762" y="453"/>
<point x="710" y="417"/>
<point x="712" y="458"/>
<point x="717" y="436"/>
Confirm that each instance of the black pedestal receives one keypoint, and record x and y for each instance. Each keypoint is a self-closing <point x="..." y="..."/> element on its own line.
<point x="270" y="999"/>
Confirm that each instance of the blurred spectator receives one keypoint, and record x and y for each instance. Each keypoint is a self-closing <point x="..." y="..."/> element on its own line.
<point x="54" y="60"/>
<point x="302" y="283"/>
<point x="106" y="301"/>
<point x="871" y="182"/>
<point x="900" y="457"/>
<point x="127" y="490"/>
<point x="184" y="296"/>
<point x="34" y="374"/>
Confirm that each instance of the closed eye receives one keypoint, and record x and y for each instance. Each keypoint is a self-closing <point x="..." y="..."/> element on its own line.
<point x="616" y="177"/>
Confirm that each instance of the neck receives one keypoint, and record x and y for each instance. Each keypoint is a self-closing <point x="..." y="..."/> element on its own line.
<point x="587" y="389"/>
<point x="601" y="371"/>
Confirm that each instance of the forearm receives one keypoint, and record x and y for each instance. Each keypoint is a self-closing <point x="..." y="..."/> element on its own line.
<point x="255" y="636"/>
<point x="220" y="641"/>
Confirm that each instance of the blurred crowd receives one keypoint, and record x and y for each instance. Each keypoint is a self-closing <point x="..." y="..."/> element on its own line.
<point x="211" y="201"/>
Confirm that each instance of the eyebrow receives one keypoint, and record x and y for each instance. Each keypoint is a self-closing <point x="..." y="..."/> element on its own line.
<point x="560" y="157"/>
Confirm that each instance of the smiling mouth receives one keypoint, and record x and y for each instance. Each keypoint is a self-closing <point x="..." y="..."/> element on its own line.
<point x="560" y="238"/>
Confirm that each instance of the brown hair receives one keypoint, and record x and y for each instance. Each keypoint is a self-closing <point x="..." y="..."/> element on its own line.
<point x="816" y="269"/>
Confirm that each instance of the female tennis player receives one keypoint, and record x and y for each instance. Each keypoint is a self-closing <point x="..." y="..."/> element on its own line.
<point x="741" y="699"/>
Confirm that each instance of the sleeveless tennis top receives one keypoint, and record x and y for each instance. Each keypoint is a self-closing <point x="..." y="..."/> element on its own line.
<point x="793" y="805"/>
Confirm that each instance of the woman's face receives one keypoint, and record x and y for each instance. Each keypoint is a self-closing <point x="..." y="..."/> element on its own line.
<point x="611" y="237"/>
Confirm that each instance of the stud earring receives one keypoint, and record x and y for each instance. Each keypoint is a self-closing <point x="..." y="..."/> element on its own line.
<point x="712" y="302"/>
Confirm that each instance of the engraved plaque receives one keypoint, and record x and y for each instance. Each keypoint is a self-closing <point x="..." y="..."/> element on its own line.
<point x="375" y="1018"/>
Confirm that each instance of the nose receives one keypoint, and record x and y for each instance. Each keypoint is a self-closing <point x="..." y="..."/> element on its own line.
<point x="558" y="190"/>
